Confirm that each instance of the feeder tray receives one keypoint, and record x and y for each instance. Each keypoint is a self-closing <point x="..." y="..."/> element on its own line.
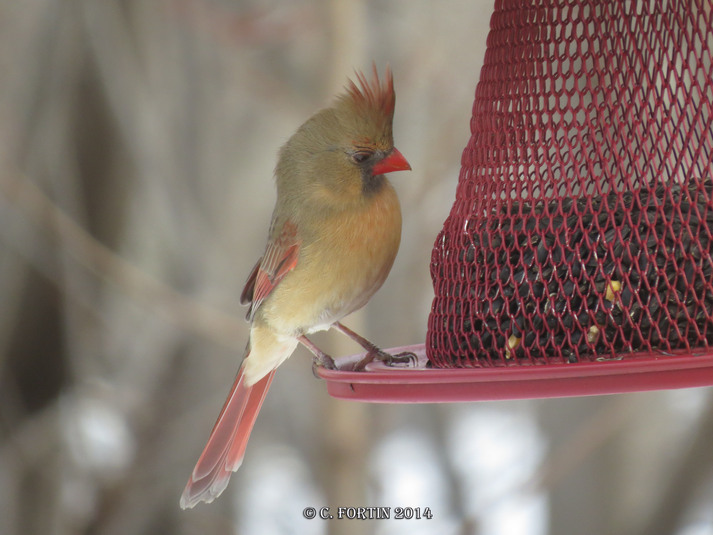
<point x="422" y="384"/>
<point x="577" y="258"/>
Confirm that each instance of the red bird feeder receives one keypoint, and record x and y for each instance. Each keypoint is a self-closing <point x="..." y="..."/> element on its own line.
<point x="576" y="258"/>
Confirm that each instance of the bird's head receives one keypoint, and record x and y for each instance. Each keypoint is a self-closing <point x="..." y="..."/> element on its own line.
<point x="347" y="148"/>
<point x="366" y="114"/>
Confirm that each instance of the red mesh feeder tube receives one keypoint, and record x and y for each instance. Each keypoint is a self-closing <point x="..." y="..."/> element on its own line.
<point x="582" y="229"/>
<point x="576" y="259"/>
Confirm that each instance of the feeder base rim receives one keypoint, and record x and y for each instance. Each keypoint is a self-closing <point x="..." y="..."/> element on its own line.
<point x="635" y="372"/>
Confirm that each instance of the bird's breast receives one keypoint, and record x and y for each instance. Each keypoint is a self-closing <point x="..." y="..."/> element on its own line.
<point x="342" y="262"/>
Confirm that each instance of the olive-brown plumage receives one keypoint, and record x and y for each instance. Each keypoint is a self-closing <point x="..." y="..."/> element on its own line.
<point x="335" y="232"/>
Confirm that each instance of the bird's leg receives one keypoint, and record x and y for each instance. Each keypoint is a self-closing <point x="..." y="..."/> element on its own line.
<point x="320" y="357"/>
<point x="374" y="352"/>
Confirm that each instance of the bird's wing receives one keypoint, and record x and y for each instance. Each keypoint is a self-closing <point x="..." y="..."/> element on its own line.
<point x="280" y="257"/>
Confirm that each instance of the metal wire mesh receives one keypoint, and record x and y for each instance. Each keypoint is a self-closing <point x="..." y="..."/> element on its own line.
<point x="583" y="222"/>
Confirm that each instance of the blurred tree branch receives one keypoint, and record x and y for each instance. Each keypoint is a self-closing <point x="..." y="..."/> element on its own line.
<point x="693" y="469"/>
<point x="176" y="307"/>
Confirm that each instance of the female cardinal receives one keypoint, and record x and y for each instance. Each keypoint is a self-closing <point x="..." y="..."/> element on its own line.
<point x="334" y="235"/>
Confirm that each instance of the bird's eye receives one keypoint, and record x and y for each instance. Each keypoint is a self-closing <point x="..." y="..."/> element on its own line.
<point x="361" y="156"/>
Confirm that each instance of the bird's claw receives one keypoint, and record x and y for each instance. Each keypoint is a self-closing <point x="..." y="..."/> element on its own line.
<point x="323" y="361"/>
<point x="406" y="359"/>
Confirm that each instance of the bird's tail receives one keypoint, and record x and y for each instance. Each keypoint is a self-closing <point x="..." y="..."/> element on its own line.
<point x="223" y="454"/>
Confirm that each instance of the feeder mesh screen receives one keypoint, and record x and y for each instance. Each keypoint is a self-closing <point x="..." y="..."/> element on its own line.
<point x="583" y="220"/>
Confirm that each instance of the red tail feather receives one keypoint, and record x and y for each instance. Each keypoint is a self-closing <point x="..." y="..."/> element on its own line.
<point x="223" y="454"/>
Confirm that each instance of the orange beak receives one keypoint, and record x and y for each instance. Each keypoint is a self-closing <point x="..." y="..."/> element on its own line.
<point x="393" y="162"/>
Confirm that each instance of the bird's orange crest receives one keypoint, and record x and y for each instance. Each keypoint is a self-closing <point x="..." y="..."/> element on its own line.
<point x="372" y="95"/>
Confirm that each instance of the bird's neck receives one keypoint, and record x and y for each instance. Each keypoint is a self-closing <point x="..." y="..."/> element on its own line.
<point x="371" y="185"/>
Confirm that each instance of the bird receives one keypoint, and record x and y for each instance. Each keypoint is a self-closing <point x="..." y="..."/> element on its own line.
<point x="334" y="235"/>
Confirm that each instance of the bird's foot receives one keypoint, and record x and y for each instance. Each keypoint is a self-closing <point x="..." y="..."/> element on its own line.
<point x="405" y="359"/>
<point x="322" y="361"/>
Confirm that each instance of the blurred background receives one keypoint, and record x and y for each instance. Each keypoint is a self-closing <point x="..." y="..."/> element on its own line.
<point x="137" y="144"/>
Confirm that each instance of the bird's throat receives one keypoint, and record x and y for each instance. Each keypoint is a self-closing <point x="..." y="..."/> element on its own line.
<point x="371" y="185"/>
